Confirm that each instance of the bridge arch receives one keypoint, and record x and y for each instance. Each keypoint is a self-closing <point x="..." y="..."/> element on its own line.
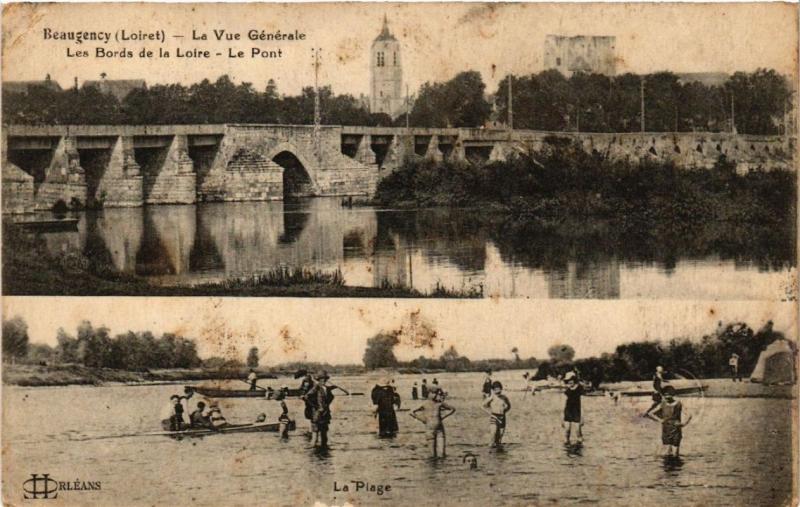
<point x="297" y="179"/>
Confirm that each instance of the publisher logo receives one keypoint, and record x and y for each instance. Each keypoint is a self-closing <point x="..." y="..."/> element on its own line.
<point x="40" y="487"/>
<point x="44" y="487"/>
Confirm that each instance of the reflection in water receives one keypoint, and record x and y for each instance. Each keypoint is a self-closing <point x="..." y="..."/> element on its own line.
<point x="455" y="249"/>
<point x="573" y="450"/>
<point x="672" y="464"/>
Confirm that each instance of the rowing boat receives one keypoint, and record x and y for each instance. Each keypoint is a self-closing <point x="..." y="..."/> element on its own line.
<point x="678" y="391"/>
<point x="230" y="428"/>
<point x="213" y="392"/>
<point x="263" y="427"/>
<point x="268" y="393"/>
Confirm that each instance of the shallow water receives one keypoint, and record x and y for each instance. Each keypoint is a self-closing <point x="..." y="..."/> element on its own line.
<point x="735" y="452"/>
<point x="456" y="249"/>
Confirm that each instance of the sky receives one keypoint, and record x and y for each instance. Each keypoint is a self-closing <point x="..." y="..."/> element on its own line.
<point x="438" y="40"/>
<point x="336" y="330"/>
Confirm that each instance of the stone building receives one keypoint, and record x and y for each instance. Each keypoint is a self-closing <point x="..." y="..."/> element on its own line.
<point x="581" y="53"/>
<point x="23" y="86"/>
<point x="386" y="74"/>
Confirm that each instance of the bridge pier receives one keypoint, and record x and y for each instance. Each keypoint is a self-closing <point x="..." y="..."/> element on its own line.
<point x="433" y="153"/>
<point x="172" y="178"/>
<point x="365" y="154"/>
<point x="64" y="179"/>
<point x="17" y="185"/>
<point x="120" y="185"/>
<point x="398" y="152"/>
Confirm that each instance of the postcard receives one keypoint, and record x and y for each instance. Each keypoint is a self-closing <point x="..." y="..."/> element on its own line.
<point x="399" y="254"/>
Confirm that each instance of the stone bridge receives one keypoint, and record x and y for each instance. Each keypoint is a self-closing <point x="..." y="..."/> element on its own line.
<point x="116" y="166"/>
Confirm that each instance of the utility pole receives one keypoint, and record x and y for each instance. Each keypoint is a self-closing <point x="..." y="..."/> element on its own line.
<point x="408" y="107"/>
<point x="510" y="105"/>
<point x="641" y="94"/>
<point x="733" y="116"/>
<point x="317" y="120"/>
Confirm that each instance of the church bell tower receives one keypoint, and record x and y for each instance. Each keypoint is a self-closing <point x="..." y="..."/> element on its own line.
<point x="386" y="74"/>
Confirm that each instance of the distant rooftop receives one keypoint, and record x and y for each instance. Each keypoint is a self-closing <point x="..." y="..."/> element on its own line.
<point x="119" y="88"/>
<point x="706" y="78"/>
<point x="23" y="86"/>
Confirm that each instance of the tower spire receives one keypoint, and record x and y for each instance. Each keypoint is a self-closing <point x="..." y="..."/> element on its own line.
<point x="385" y="29"/>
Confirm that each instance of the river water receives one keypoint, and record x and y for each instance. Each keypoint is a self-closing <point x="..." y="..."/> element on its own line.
<point x="462" y="250"/>
<point x="735" y="452"/>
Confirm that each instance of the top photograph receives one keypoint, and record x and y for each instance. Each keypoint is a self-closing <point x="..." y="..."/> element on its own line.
<point x="437" y="150"/>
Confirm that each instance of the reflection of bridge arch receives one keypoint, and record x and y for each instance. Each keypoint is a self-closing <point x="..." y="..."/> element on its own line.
<point x="297" y="180"/>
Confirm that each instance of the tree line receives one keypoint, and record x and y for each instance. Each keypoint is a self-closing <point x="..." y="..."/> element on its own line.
<point x="755" y="103"/>
<point x="379" y="353"/>
<point x="704" y="358"/>
<point x="95" y="347"/>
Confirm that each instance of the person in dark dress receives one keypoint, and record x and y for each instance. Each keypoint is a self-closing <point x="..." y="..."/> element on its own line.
<point x="414" y="392"/>
<point x="385" y="399"/>
<point x="424" y="389"/>
<point x="572" y="408"/>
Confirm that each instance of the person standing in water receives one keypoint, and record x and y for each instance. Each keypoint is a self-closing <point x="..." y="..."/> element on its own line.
<point x="572" y="408"/>
<point x="305" y="386"/>
<point x="432" y="414"/>
<point x="322" y="398"/>
<point x="497" y="405"/>
<point x="486" y="389"/>
<point x="252" y="378"/>
<point x="424" y="389"/>
<point x="670" y="415"/>
<point x="284" y="421"/>
<point x="385" y="399"/>
<point x="414" y="392"/>
<point x="658" y="386"/>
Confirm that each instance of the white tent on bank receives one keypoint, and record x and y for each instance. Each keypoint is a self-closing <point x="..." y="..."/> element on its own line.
<point x="775" y="364"/>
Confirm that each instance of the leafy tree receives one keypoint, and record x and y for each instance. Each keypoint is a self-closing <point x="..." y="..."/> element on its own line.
<point x="252" y="358"/>
<point x="380" y="351"/>
<point x="561" y="353"/>
<point x="15" y="338"/>
<point x="459" y="102"/>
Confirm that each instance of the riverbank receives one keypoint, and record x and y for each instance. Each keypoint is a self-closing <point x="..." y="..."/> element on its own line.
<point x="29" y="269"/>
<point x="30" y="375"/>
<point x="562" y="183"/>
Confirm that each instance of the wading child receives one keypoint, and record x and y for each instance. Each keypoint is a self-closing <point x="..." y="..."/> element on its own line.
<point x="670" y="415"/>
<point x="497" y="405"/>
<point x="572" y="408"/>
<point x="432" y="414"/>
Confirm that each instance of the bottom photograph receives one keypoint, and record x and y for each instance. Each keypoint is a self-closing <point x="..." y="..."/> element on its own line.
<point x="208" y="402"/>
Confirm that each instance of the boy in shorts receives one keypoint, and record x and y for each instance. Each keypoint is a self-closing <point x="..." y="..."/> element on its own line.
<point x="496" y="405"/>
<point x="432" y="414"/>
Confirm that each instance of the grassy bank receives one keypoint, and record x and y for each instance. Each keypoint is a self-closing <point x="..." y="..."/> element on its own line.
<point x="563" y="182"/>
<point x="29" y="269"/>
